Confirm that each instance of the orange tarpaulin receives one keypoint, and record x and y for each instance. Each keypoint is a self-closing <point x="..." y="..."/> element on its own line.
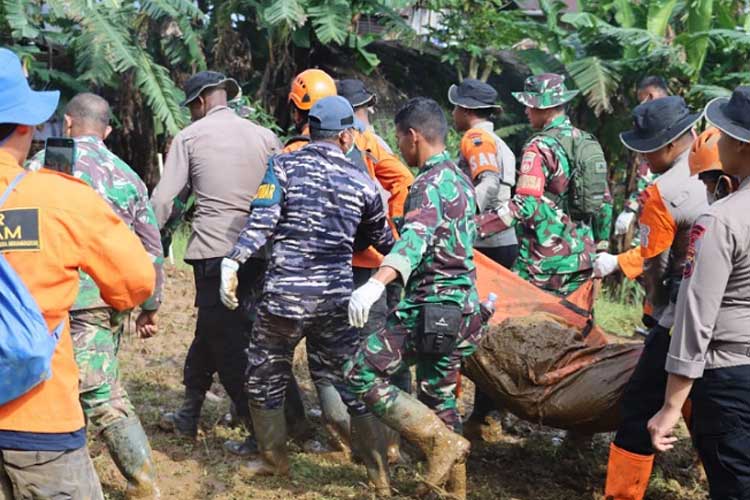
<point x="518" y="298"/>
<point x="544" y="360"/>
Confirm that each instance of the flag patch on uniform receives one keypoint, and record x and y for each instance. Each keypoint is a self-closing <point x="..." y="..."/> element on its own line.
<point x="528" y="162"/>
<point x="695" y="236"/>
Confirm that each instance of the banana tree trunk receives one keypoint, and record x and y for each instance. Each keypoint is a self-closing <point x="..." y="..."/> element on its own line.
<point x="699" y="19"/>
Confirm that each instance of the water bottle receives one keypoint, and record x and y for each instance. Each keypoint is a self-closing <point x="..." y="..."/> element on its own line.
<point x="488" y="307"/>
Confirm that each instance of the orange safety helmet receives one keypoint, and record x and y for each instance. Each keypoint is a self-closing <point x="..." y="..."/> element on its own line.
<point x="704" y="154"/>
<point x="309" y="86"/>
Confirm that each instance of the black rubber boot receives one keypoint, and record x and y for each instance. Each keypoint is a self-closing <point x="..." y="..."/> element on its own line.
<point x="249" y="446"/>
<point x="370" y="444"/>
<point x="185" y="420"/>
<point x="335" y="417"/>
<point x="129" y="448"/>
<point x="270" y="431"/>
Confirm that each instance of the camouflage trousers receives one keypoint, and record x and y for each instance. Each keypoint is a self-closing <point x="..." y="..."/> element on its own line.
<point x="96" y="339"/>
<point x="392" y="348"/>
<point x="559" y="284"/>
<point x="330" y="343"/>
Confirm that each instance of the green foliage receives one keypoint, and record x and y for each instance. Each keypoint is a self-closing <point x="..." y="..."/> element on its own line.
<point x="329" y="22"/>
<point x="597" y="80"/>
<point x="472" y="32"/>
<point x="255" y="112"/>
<point x="106" y="40"/>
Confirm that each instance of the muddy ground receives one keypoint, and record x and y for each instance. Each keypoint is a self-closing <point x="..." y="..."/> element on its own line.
<point x="526" y="463"/>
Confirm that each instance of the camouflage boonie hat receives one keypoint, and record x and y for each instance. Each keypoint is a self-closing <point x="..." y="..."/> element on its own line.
<point x="544" y="91"/>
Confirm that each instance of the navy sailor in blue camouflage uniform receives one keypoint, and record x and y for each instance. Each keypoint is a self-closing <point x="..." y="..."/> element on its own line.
<point x="316" y="208"/>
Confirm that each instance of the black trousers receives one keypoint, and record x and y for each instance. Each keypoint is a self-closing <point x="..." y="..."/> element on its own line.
<point x="644" y="394"/>
<point x="222" y="335"/>
<point x="505" y="256"/>
<point x="721" y="430"/>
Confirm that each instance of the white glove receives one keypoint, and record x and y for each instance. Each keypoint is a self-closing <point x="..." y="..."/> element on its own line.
<point x="623" y="222"/>
<point x="605" y="264"/>
<point x="362" y="300"/>
<point x="229" y="281"/>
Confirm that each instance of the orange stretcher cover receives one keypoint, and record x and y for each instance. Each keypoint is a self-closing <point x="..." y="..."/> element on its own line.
<point x="544" y="359"/>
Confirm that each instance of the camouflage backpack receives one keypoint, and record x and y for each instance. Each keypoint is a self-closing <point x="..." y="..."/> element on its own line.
<point x="588" y="182"/>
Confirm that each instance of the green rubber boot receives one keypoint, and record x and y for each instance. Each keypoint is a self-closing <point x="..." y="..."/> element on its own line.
<point x="270" y="433"/>
<point x="129" y="448"/>
<point x="370" y="444"/>
<point x="335" y="417"/>
<point x="442" y="447"/>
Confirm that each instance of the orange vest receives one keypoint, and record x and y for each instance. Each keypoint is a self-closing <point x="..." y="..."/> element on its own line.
<point x="77" y="229"/>
<point x="386" y="169"/>
<point x="297" y="142"/>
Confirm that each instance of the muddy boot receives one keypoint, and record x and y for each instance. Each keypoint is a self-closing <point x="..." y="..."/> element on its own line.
<point x="456" y="485"/>
<point x="185" y="420"/>
<point x="294" y="411"/>
<point x="230" y="418"/>
<point x="393" y="439"/>
<point x="246" y="448"/>
<point x="270" y="432"/>
<point x="129" y="448"/>
<point x="335" y="417"/>
<point x="369" y="443"/>
<point x="442" y="447"/>
<point x="577" y="442"/>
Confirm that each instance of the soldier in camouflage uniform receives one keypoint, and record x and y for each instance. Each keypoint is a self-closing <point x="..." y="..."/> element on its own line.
<point x="95" y="327"/>
<point x="437" y="323"/>
<point x="316" y="208"/>
<point x="556" y="252"/>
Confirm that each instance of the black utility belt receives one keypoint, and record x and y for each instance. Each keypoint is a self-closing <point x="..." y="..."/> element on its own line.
<point x="439" y="328"/>
<point x="733" y="347"/>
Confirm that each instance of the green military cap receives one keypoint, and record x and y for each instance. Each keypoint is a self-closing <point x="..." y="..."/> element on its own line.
<point x="544" y="91"/>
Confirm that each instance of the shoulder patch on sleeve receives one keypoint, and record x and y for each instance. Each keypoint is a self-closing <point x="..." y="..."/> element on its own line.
<point x="479" y="149"/>
<point x="696" y="234"/>
<point x="531" y="179"/>
<point x="269" y="191"/>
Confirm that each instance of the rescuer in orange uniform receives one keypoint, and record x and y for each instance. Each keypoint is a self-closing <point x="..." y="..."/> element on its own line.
<point x="43" y="450"/>
<point x="663" y="134"/>
<point x="307" y="88"/>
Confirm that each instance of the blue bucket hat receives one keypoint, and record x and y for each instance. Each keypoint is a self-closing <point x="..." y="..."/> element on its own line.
<point x="333" y="113"/>
<point x="18" y="103"/>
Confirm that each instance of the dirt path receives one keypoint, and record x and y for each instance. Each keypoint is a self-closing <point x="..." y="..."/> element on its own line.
<point x="527" y="464"/>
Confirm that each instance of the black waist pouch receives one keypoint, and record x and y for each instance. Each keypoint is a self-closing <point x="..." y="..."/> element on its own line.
<point x="439" y="329"/>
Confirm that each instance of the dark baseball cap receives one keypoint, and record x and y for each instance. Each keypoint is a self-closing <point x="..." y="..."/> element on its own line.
<point x="199" y="82"/>
<point x="333" y="113"/>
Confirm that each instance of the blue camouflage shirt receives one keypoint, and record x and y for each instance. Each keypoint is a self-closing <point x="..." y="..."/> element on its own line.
<point x="316" y="208"/>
